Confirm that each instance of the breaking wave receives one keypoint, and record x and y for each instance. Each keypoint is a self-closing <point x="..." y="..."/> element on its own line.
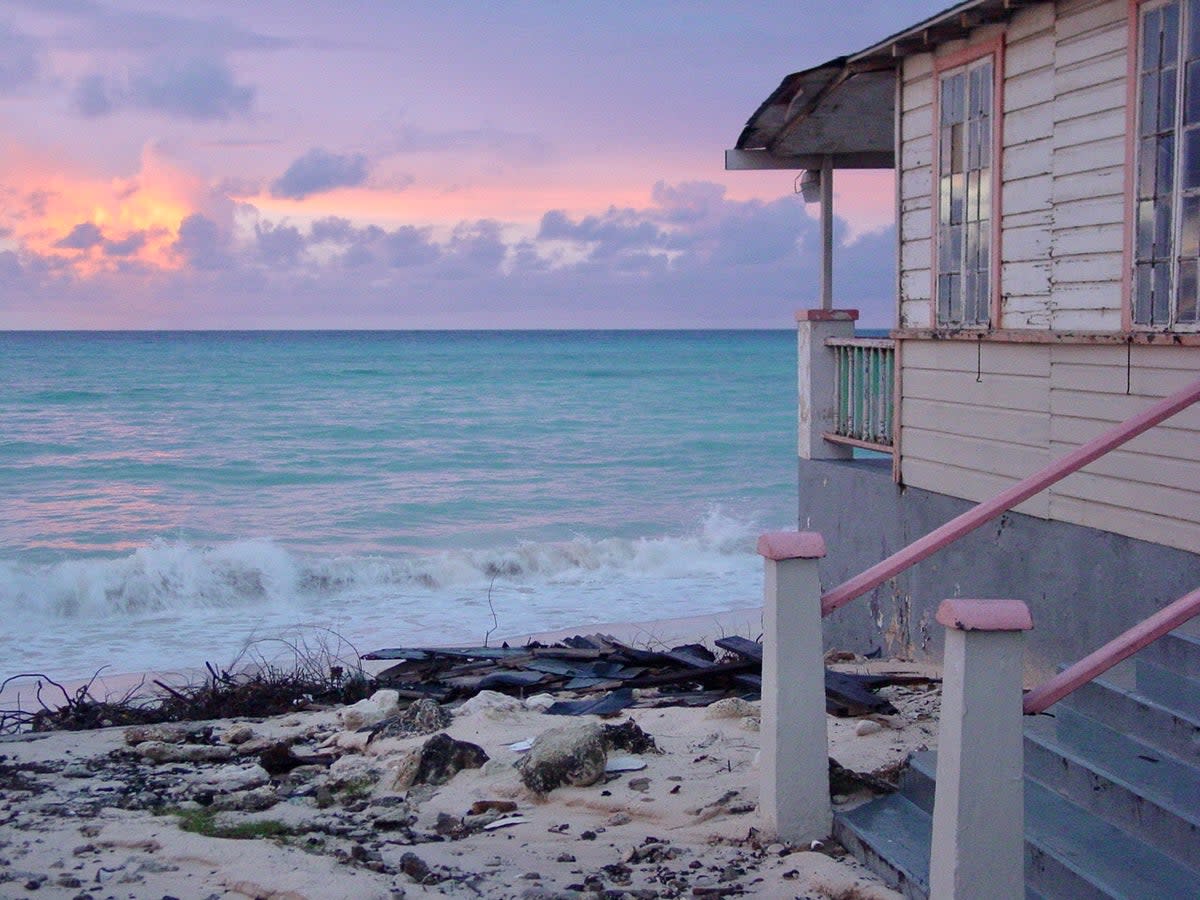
<point x="176" y="576"/>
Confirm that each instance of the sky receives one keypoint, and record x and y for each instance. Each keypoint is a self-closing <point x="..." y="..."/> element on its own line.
<point x="366" y="164"/>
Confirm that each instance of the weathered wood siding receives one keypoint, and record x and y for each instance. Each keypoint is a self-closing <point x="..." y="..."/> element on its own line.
<point x="977" y="417"/>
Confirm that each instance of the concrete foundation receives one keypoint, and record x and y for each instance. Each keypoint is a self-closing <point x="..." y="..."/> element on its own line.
<point x="1083" y="586"/>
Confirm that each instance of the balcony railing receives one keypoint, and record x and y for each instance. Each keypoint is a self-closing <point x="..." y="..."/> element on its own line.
<point x="865" y="375"/>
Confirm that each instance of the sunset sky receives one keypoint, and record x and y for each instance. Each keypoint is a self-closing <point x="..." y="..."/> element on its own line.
<point x="365" y="164"/>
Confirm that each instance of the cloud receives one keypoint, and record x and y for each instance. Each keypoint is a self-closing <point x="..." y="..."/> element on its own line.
<point x="19" y="59"/>
<point x="202" y="244"/>
<point x="319" y="170"/>
<point x="83" y="236"/>
<point x="193" y="88"/>
<point x="127" y="246"/>
<point x="278" y="245"/>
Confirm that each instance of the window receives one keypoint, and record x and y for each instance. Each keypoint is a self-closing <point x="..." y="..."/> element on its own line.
<point x="1167" y="192"/>
<point x="964" y="192"/>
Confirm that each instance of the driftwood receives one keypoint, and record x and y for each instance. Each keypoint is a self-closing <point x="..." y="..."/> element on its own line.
<point x="599" y="664"/>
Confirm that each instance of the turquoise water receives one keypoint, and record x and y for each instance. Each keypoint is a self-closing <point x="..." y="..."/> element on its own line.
<point x="166" y="497"/>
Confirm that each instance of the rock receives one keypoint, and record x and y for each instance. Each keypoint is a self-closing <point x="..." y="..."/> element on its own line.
<point x="442" y="757"/>
<point x="751" y="723"/>
<point x="354" y="770"/>
<point x="417" y="869"/>
<point x="640" y="785"/>
<point x="492" y="704"/>
<point x="540" y="702"/>
<point x="257" y="800"/>
<point x="423" y="717"/>
<point x="731" y="708"/>
<point x="572" y="754"/>
<point x="502" y="806"/>
<point x="228" y="779"/>
<point x="279" y="759"/>
<point x="165" y="733"/>
<point x="866" y="726"/>
<point x="379" y="706"/>
<point x="160" y="752"/>
<point x="236" y="735"/>
<point x="629" y="736"/>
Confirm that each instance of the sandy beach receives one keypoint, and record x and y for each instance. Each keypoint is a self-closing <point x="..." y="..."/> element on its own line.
<point x="191" y="810"/>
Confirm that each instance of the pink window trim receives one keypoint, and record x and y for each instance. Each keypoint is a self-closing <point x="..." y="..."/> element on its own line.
<point x="993" y="47"/>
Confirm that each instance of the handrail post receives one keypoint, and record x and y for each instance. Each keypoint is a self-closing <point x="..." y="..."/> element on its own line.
<point x="794" y="758"/>
<point x="817" y="376"/>
<point x="977" y="852"/>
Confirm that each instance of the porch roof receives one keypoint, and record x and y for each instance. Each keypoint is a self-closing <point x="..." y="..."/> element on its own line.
<point x="845" y="109"/>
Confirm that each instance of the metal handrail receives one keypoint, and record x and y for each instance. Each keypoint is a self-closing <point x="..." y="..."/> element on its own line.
<point x="1006" y="500"/>
<point x="1118" y="649"/>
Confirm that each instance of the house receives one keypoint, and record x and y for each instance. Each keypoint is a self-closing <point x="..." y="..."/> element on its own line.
<point x="1047" y="169"/>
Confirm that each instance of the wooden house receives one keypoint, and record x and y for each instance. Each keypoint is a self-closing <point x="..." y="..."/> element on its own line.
<point x="1047" y="170"/>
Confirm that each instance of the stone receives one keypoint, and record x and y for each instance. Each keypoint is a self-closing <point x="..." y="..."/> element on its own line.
<point x="867" y="726"/>
<point x="424" y="716"/>
<point x="442" y="757"/>
<point x="629" y="736"/>
<point x="569" y="755"/>
<point x="540" y="702"/>
<point x="160" y="752"/>
<point x="236" y="735"/>
<point x="256" y="800"/>
<point x="491" y="704"/>
<point x="731" y="708"/>
<point x="379" y="706"/>
<point x="502" y="806"/>
<point x="228" y="779"/>
<point x="165" y="733"/>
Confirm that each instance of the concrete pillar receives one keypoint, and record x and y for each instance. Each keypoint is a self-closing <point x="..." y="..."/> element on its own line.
<point x="794" y="795"/>
<point x="817" y="370"/>
<point x="979" y="809"/>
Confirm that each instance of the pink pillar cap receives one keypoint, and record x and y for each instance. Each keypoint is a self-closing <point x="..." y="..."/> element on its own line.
<point x="985" y="615"/>
<point x="780" y="545"/>
<point x="827" y="315"/>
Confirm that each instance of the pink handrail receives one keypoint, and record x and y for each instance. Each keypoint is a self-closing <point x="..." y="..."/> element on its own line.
<point x="1119" y="648"/>
<point x="1006" y="500"/>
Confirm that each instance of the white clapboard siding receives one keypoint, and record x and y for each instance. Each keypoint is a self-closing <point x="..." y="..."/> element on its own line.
<point x="970" y="483"/>
<point x="1015" y="392"/>
<point x="1134" y="523"/>
<point x="977" y="416"/>
<point x="1025" y="312"/>
<point x="1025" y="427"/>
<point x="1029" y="159"/>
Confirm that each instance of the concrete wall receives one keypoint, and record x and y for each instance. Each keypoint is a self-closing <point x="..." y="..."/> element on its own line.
<point x="1083" y="586"/>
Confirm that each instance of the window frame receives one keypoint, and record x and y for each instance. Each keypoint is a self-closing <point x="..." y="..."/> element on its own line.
<point x="943" y="65"/>
<point x="1132" y="161"/>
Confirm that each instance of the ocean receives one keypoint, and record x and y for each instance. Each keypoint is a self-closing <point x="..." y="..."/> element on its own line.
<point x="174" y="498"/>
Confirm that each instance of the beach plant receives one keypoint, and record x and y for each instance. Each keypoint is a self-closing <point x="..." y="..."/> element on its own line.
<point x="203" y="821"/>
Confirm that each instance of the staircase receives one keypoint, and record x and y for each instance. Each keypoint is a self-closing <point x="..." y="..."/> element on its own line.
<point x="1112" y="791"/>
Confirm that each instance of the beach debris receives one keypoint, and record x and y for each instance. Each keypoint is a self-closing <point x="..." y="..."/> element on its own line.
<point x="521" y="746"/>
<point x="611" y="676"/>
<point x="630" y="737"/>
<point x="279" y="758"/>
<point x="162" y="752"/>
<point x="505" y="822"/>
<point x="569" y="755"/>
<point x="624" y="764"/>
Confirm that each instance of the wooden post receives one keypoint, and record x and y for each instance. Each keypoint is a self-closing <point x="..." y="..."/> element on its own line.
<point x="979" y="808"/>
<point x="817" y="376"/>
<point x="794" y="795"/>
<point x="826" y="183"/>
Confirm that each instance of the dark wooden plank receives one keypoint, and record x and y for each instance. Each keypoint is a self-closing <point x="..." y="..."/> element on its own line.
<point x="845" y="696"/>
<point x="741" y="646"/>
<point x="607" y="705"/>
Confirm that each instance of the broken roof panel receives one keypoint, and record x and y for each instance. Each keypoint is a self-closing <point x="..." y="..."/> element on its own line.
<point x="843" y="110"/>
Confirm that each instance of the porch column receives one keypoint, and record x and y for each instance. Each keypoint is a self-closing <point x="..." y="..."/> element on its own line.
<point x="794" y="750"/>
<point x="817" y="370"/>
<point x="977" y="851"/>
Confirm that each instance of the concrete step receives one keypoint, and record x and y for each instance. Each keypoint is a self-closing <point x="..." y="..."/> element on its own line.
<point x="1176" y="651"/>
<point x="1132" y="785"/>
<point x="1168" y="687"/>
<point x="1140" y="717"/>
<point x="1075" y="856"/>
<point x="1069" y="853"/>
<point x="891" y="836"/>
